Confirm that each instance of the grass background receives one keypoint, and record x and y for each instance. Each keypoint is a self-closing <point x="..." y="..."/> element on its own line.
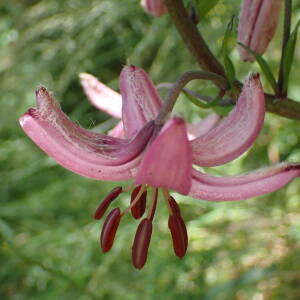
<point x="48" y="239"/>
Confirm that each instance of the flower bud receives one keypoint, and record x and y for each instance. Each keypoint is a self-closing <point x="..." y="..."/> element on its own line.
<point x="258" y="21"/>
<point x="156" y="8"/>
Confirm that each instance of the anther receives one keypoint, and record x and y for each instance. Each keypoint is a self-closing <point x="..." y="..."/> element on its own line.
<point x="179" y="234"/>
<point x="141" y="243"/>
<point x="109" y="229"/>
<point x="102" y="208"/>
<point x="138" y="209"/>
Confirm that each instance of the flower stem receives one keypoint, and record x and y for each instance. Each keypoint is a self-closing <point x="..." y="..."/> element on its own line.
<point x="286" y="35"/>
<point x="174" y="92"/>
<point x="192" y="37"/>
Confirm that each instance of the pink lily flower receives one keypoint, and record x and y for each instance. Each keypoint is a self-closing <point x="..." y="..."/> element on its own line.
<point x="258" y="22"/>
<point x="109" y="101"/>
<point x="157" y="157"/>
<point x="156" y="8"/>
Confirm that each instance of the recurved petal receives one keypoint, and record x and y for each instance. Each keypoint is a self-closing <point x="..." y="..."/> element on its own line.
<point x="167" y="162"/>
<point x="117" y="131"/>
<point x="141" y="101"/>
<point x="231" y="188"/>
<point x="237" y="132"/>
<point x="84" y="152"/>
<point x="101" y="96"/>
<point x="202" y="127"/>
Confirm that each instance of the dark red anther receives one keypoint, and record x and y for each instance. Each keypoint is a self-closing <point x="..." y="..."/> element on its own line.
<point x="153" y="205"/>
<point x="113" y="194"/>
<point x="179" y="234"/>
<point x="174" y="206"/>
<point x="109" y="229"/>
<point x="141" y="243"/>
<point x="139" y="208"/>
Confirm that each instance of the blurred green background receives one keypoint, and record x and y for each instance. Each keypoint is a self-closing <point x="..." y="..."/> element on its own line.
<point x="49" y="245"/>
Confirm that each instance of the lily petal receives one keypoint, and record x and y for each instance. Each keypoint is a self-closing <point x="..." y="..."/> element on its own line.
<point x="101" y="96"/>
<point x="84" y="152"/>
<point x="141" y="101"/>
<point x="117" y="131"/>
<point x="202" y="127"/>
<point x="231" y="188"/>
<point x="237" y="132"/>
<point x="167" y="162"/>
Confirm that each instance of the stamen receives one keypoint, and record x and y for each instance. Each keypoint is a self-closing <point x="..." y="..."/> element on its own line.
<point x="141" y="243"/>
<point x="179" y="235"/>
<point x="139" y="208"/>
<point x="136" y="199"/>
<point x="174" y="206"/>
<point x="153" y="204"/>
<point x="166" y="197"/>
<point x="129" y="187"/>
<point x="102" y="208"/>
<point x="109" y="229"/>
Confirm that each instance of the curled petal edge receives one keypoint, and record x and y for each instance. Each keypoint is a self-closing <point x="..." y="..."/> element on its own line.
<point x="233" y="188"/>
<point x="84" y="152"/>
<point x="101" y="96"/>
<point x="237" y="132"/>
<point x="141" y="102"/>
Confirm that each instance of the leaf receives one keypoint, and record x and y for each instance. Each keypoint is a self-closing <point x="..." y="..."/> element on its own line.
<point x="204" y="6"/>
<point x="228" y="65"/>
<point x="288" y="56"/>
<point x="264" y="67"/>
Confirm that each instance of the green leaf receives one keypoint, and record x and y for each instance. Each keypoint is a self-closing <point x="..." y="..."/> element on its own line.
<point x="289" y="55"/>
<point x="228" y="65"/>
<point x="204" y="6"/>
<point x="264" y="67"/>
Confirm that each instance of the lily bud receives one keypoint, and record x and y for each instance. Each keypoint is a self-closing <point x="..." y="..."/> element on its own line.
<point x="258" y="21"/>
<point x="156" y="8"/>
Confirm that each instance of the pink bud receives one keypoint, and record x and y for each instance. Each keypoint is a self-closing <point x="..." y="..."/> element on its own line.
<point x="258" y="21"/>
<point x="156" y="8"/>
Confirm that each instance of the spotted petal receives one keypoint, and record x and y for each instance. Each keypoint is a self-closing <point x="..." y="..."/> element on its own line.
<point x="231" y="188"/>
<point x="141" y="101"/>
<point x="167" y="162"/>
<point x="237" y="132"/>
<point x="84" y="152"/>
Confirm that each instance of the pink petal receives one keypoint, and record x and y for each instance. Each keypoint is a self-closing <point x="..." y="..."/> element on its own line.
<point x="237" y="132"/>
<point x="258" y="21"/>
<point x="156" y="8"/>
<point x="167" y="162"/>
<point x="202" y="127"/>
<point x="81" y="151"/>
<point x="231" y="188"/>
<point x="101" y="96"/>
<point x="141" y="102"/>
<point x="117" y="131"/>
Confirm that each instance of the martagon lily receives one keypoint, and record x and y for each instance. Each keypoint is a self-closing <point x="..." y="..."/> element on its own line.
<point x="156" y="156"/>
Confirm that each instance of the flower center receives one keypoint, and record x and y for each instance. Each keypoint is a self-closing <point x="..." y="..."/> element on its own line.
<point x="143" y="234"/>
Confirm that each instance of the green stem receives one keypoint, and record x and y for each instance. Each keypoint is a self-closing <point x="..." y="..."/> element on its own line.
<point x="192" y="37"/>
<point x="174" y="92"/>
<point x="286" y="35"/>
